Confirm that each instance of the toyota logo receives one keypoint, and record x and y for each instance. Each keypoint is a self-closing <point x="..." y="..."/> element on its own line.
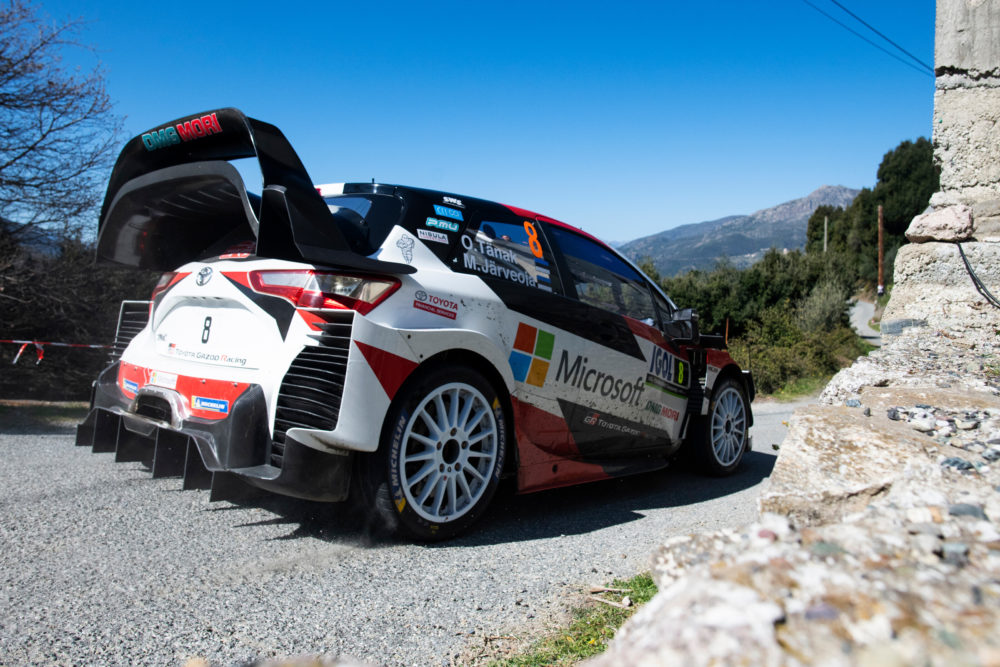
<point x="203" y="276"/>
<point x="421" y="295"/>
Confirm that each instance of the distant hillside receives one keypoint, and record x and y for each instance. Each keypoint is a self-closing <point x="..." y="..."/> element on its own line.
<point x="742" y="238"/>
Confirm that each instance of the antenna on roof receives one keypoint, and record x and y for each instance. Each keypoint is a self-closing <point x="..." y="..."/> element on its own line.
<point x="373" y="180"/>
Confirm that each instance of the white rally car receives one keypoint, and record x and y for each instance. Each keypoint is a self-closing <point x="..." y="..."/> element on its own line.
<point x="418" y="344"/>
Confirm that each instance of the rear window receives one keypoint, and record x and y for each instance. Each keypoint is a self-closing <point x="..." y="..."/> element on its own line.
<point x="365" y="219"/>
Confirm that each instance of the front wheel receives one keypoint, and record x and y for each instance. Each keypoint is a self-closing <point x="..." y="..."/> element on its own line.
<point x="723" y="435"/>
<point x="442" y="453"/>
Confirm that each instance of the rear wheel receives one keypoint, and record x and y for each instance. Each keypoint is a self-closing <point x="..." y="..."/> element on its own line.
<point x="723" y="434"/>
<point x="441" y="456"/>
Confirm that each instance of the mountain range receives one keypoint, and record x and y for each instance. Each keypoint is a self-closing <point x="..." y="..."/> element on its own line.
<point x="742" y="238"/>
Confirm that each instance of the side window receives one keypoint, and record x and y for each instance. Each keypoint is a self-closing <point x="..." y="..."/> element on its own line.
<point x="512" y="251"/>
<point x="603" y="279"/>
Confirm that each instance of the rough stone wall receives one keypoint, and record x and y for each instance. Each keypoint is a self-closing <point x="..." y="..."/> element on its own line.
<point x="932" y="284"/>
<point x="934" y="289"/>
<point x="879" y="537"/>
<point x="967" y="36"/>
<point x="967" y="101"/>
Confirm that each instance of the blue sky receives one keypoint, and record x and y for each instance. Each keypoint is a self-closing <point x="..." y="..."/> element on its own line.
<point x="624" y="119"/>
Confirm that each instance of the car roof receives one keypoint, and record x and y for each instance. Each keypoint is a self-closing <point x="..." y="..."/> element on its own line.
<point x="330" y="189"/>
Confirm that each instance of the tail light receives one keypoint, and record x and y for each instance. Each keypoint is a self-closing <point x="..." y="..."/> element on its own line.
<point x="325" y="291"/>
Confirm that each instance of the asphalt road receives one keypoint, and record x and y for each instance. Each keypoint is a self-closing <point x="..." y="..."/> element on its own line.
<point x="101" y="564"/>
<point x="862" y="313"/>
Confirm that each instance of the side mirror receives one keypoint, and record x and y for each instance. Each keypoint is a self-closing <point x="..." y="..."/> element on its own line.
<point x="684" y="327"/>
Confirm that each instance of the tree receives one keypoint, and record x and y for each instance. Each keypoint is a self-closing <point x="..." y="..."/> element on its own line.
<point x="58" y="140"/>
<point x="58" y="134"/>
<point x="833" y="218"/>
<point x="907" y="177"/>
<point x="61" y="296"/>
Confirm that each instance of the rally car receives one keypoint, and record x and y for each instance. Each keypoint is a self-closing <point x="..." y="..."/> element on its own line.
<point x="414" y="345"/>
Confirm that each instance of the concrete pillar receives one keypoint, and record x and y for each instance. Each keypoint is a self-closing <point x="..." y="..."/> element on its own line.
<point x="932" y="284"/>
<point x="967" y="102"/>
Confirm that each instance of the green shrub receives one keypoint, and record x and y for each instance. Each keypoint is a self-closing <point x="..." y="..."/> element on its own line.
<point x="824" y="309"/>
<point x="779" y="357"/>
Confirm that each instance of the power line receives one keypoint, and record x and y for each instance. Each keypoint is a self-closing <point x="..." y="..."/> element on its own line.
<point x="872" y="28"/>
<point x="862" y="37"/>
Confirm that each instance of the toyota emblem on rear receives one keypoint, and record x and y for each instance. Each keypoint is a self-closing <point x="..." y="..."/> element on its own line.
<point x="203" y="276"/>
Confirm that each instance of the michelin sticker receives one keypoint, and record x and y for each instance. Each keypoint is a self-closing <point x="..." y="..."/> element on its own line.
<point x="210" y="404"/>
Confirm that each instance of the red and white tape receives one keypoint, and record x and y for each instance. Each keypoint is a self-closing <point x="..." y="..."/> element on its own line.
<point x="39" y="347"/>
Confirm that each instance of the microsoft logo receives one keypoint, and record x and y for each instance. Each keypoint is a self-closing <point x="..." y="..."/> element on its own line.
<point x="532" y="353"/>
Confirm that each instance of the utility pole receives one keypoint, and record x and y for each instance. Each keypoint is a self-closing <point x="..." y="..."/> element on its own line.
<point x="826" y="219"/>
<point x="881" y="253"/>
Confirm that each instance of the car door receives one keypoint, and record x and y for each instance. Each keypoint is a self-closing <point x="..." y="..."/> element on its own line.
<point x="629" y="400"/>
<point x="545" y="331"/>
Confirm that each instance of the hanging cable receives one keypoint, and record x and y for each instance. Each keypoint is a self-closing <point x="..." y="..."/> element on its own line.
<point x="872" y="28"/>
<point x="862" y="37"/>
<point x="980" y="286"/>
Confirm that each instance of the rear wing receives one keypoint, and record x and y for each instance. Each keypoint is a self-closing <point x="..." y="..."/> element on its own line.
<point x="173" y="197"/>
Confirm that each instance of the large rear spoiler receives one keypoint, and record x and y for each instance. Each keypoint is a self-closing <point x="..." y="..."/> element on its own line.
<point x="173" y="197"/>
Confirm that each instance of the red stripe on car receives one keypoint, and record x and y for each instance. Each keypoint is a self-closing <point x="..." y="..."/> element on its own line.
<point x="390" y="369"/>
<point x="547" y="451"/>
<point x="239" y="277"/>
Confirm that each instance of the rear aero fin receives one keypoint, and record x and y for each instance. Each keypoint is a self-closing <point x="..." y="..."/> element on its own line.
<point x="174" y="198"/>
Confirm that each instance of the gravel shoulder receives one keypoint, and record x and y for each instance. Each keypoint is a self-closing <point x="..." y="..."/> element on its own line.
<point x="104" y="565"/>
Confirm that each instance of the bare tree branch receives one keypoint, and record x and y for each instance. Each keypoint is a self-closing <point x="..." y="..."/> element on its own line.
<point x="58" y="132"/>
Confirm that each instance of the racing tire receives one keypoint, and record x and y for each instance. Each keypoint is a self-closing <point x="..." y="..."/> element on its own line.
<point x="441" y="455"/>
<point x="723" y="435"/>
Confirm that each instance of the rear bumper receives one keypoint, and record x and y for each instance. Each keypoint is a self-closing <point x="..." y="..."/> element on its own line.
<point x="222" y="455"/>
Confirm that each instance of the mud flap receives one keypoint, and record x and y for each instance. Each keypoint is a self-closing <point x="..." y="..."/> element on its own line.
<point x="306" y="473"/>
<point x="170" y="454"/>
<point x="99" y="432"/>
<point x="227" y="486"/>
<point x="196" y="475"/>
<point x="135" y="441"/>
<point x="85" y="430"/>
